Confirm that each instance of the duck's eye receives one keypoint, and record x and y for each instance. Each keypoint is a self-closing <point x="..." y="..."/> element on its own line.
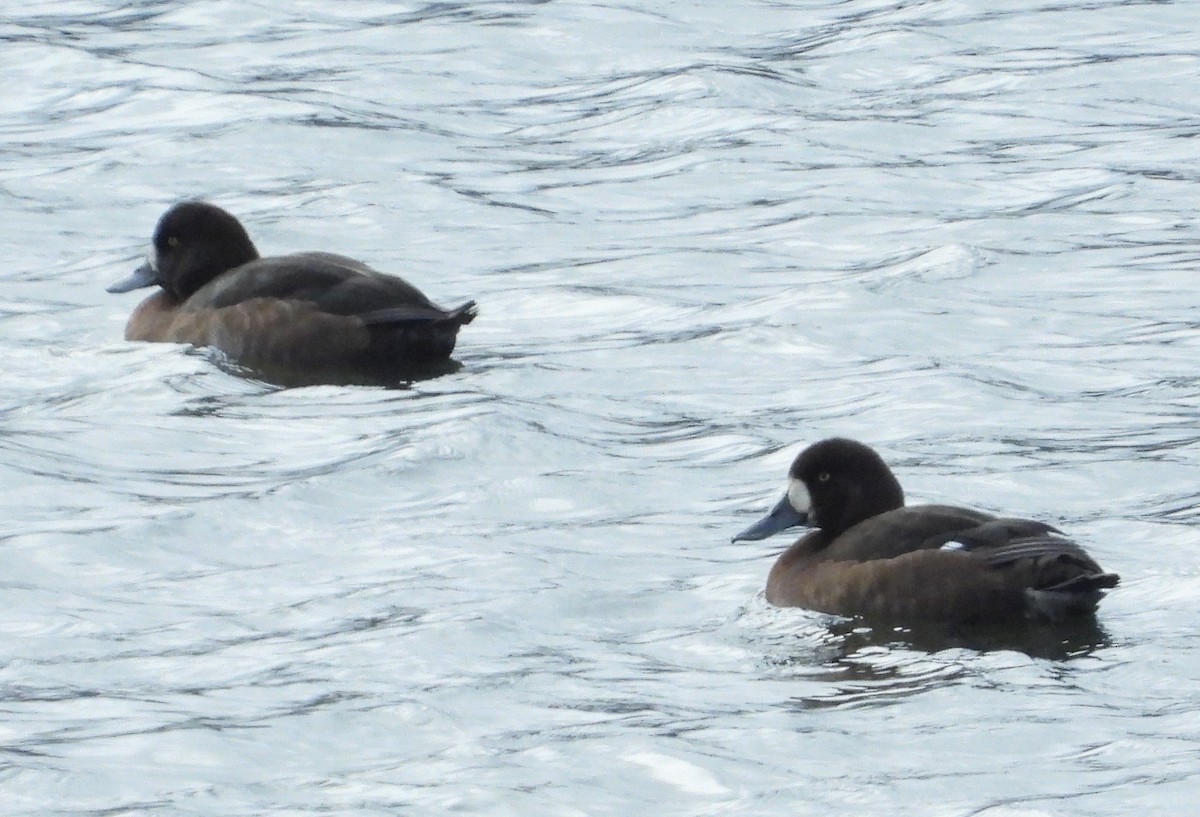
<point x="172" y="241"/>
<point x="823" y="476"/>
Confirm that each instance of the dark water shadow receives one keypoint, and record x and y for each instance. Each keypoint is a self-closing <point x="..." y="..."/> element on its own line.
<point x="393" y="377"/>
<point x="1055" y="642"/>
<point x="855" y="664"/>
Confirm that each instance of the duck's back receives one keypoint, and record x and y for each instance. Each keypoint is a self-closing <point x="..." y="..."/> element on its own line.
<point x="903" y="530"/>
<point x="331" y="283"/>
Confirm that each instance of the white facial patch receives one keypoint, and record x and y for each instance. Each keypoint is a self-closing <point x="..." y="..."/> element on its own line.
<point x="798" y="496"/>
<point x="152" y="258"/>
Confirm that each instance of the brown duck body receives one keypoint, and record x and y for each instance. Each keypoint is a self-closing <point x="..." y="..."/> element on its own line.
<point x="906" y="565"/>
<point x="875" y="558"/>
<point x="309" y="317"/>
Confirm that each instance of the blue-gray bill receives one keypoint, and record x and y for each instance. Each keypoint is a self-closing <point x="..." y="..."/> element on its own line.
<point x="143" y="276"/>
<point x="781" y="517"/>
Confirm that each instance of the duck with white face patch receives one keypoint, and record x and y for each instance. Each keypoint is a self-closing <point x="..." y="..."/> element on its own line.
<point x="870" y="555"/>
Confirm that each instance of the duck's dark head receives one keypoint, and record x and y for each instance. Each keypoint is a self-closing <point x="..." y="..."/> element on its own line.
<point x="832" y="485"/>
<point x="193" y="243"/>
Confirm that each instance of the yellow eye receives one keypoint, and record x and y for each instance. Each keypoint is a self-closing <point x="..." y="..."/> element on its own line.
<point x="823" y="476"/>
<point x="172" y="242"/>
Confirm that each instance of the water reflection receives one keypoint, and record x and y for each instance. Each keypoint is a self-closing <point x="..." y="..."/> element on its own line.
<point x="394" y="378"/>
<point x="860" y="665"/>
<point x="1055" y="642"/>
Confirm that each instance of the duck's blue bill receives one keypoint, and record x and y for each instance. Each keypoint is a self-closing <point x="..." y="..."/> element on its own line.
<point x="143" y="276"/>
<point x="781" y="517"/>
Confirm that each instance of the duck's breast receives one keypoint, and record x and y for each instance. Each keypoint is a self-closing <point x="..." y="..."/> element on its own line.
<point x="151" y="320"/>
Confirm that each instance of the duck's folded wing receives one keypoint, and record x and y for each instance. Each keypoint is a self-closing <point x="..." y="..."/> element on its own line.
<point x="1004" y="540"/>
<point x="1045" y="558"/>
<point x="333" y="283"/>
<point x="904" y="530"/>
<point x="1045" y="546"/>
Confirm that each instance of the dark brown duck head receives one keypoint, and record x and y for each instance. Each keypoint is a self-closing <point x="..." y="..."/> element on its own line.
<point x="832" y="485"/>
<point x="194" y="242"/>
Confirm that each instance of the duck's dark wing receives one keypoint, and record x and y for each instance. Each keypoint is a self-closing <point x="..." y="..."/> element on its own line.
<point x="1059" y="577"/>
<point x="903" y="530"/>
<point x="1003" y="542"/>
<point x="332" y="283"/>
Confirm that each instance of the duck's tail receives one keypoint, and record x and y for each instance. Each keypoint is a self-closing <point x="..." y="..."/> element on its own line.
<point x="421" y="315"/>
<point x="464" y="314"/>
<point x="1074" y="597"/>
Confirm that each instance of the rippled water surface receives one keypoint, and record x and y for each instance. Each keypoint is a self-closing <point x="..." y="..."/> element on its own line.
<point x="702" y="234"/>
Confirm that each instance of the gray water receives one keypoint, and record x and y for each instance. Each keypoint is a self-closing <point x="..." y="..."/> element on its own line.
<point x="702" y="235"/>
